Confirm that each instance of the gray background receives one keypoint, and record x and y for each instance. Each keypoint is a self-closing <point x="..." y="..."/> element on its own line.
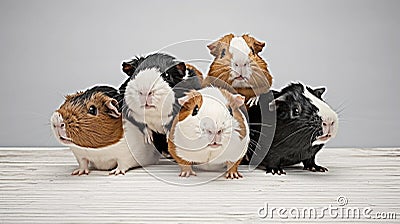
<point x="51" y="48"/>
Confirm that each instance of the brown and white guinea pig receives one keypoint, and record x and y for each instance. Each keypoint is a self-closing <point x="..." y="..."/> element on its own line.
<point x="238" y="64"/>
<point x="304" y="123"/>
<point x="90" y="123"/>
<point x="150" y="93"/>
<point x="209" y="132"/>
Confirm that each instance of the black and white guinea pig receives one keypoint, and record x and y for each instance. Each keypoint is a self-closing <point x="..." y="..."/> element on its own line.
<point x="210" y="132"/>
<point x="90" y="123"/>
<point x="304" y="123"/>
<point x="151" y="91"/>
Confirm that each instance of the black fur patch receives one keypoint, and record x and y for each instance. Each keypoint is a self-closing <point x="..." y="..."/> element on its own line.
<point x="223" y="53"/>
<point x="107" y="90"/>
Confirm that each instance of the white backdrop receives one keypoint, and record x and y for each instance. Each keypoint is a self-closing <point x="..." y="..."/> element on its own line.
<point x="51" y="48"/>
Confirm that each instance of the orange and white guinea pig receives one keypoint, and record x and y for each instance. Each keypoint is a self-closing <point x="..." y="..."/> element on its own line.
<point x="90" y="123"/>
<point x="238" y="64"/>
<point x="210" y="132"/>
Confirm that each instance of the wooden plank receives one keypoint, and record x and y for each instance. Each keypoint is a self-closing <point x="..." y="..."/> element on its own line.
<point x="36" y="187"/>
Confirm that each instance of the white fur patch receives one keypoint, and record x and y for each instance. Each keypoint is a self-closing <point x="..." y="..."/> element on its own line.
<point x="130" y="151"/>
<point x="240" y="63"/>
<point x="325" y="112"/>
<point x="239" y="48"/>
<point x="150" y="80"/>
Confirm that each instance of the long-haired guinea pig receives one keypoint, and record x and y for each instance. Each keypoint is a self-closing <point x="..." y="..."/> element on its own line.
<point x="210" y="132"/>
<point x="90" y="123"/>
<point x="304" y="123"/>
<point x="237" y="63"/>
<point x="151" y="91"/>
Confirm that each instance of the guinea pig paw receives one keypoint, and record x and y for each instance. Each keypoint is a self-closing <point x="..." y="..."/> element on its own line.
<point x="233" y="175"/>
<point x="316" y="168"/>
<point x="253" y="101"/>
<point x="274" y="171"/>
<point x="80" y="171"/>
<point x="117" y="171"/>
<point x="148" y="136"/>
<point x="187" y="172"/>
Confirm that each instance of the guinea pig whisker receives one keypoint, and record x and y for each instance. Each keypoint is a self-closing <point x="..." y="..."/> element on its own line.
<point x="252" y="131"/>
<point x="293" y="133"/>
<point x="256" y="147"/>
<point x="262" y="124"/>
<point x="312" y="136"/>
<point x="253" y="143"/>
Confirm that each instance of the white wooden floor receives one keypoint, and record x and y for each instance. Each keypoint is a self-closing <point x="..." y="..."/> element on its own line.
<point x="36" y="187"/>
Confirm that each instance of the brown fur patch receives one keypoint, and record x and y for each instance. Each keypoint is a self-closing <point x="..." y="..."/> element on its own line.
<point x="233" y="166"/>
<point x="87" y="130"/>
<point x="194" y="99"/>
<point x="261" y="79"/>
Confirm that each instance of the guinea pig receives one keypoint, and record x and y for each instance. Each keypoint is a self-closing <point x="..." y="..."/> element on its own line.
<point x="151" y="91"/>
<point x="237" y="63"/>
<point x="90" y="123"/>
<point x="304" y="123"/>
<point x="209" y="132"/>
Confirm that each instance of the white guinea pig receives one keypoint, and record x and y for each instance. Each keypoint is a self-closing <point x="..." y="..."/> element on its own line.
<point x="210" y="131"/>
<point x="90" y="123"/>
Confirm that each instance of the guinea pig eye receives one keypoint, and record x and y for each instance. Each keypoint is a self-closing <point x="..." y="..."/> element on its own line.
<point x="296" y="112"/>
<point x="195" y="110"/>
<point x="92" y="110"/>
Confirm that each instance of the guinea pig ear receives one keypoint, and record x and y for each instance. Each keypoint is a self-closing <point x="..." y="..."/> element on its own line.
<point x="112" y="105"/>
<point x="238" y="100"/>
<point x="258" y="46"/>
<point x="255" y="45"/>
<point x="130" y="66"/>
<point x="274" y="104"/>
<point x="183" y="100"/>
<point x="218" y="46"/>
<point x="181" y="68"/>
<point x="319" y="91"/>
<point x="214" y="48"/>
<point x="127" y="68"/>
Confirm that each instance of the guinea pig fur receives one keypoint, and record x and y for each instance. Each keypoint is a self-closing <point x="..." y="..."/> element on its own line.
<point x="237" y="63"/>
<point x="151" y="92"/>
<point x="90" y="123"/>
<point x="209" y="132"/>
<point x="304" y="123"/>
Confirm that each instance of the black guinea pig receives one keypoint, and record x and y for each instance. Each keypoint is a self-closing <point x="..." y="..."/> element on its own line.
<point x="304" y="123"/>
